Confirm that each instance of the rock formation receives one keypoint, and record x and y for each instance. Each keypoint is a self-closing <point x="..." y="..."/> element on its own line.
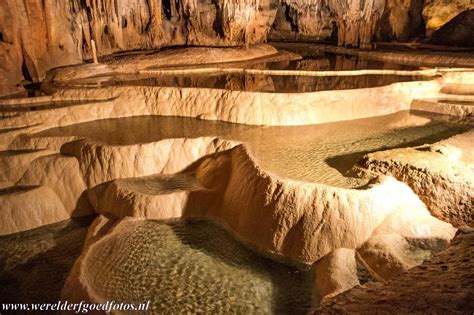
<point x="27" y="207"/>
<point x="294" y="220"/>
<point x="449" y="289"/>
<point x="441" y="174"/>
<point x="457" y="32"/>
<point x="409" y="211"/>
<point x="401" y="21"/>
<point x="36" y="37"/>
<point x="437" y="13"/>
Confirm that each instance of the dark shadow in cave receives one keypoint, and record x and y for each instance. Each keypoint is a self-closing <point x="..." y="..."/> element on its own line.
<point x="35" y="264"/>
<point x="166" y="8"/>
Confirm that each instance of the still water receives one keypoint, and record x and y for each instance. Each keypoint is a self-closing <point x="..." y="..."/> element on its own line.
<point x="268" y="83"/>
<point x="321" y="153"/>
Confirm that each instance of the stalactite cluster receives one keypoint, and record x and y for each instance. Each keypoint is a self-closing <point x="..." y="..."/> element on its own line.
<point x="355" y="20"/>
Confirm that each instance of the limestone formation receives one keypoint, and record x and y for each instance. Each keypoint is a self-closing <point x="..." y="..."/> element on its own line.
<point x="86" y="104"/>
<point x="36" y="37"/>
<point x="336" y="273"/>
<point x="441" y="174"/>
<point x="408" y="210"/>
<point x="15" y="163"/>
<point x="293" y="219"/>
<point x="28" y="207"/>
<point x="62" y="175"/>
<point x="443" y="285"/>
<point x="458" y="31"/>
<point x="437" y="13"/>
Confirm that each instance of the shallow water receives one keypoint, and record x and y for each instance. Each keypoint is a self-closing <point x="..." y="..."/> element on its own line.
<point x="196" y="267"/>
<point x="34" y="264"/>
<point x="316" y="153"/>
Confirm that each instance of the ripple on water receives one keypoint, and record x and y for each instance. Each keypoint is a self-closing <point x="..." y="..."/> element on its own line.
<point x="194" y="266"/>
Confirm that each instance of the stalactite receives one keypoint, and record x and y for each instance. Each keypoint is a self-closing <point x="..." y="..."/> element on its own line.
<point x="356" y="19"/>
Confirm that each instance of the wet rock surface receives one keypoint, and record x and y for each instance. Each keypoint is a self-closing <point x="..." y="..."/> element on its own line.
<point x="36" y="37"/>
<point x="441" y="174"/>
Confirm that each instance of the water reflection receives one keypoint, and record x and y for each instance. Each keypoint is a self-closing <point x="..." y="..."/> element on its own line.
<point x="269" y="83"/>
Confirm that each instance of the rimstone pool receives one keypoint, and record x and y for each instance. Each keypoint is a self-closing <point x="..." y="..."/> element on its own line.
<point x="321" y="153"/>
<point x="268" y="182"/>
<point x="180" y="266"/>
<point x="265" y="82"/>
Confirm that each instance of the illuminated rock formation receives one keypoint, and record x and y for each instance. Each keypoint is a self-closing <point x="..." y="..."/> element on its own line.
<point x="36" y="37"/>
<point x="437" y="13"/>
<point x="28" y="207"/>
<point x="290" y="219"/>
<point x="441" y="174"/>
<point x="442" y="284"/>
<point x="457" y="32"/>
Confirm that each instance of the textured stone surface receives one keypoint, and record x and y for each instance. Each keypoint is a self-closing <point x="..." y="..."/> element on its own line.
<point x="253" y="108"/>
<point x="27" y="207"/>
<point x="62" y="175"/>
<point x="336" y="272"/>
<point x="402" y="21"/>
<point x="135" y="62"/>
<point x="442" y="285"/>
<point x="100" y="163"/>
<point x="355" y="23"/>
<point x="385" y="225"/>
<point x="441" y="174"/>
<point x="445" y="106"/>
<point x="290" y="219"/>
<point x="437" y="13"/>
<point x="14" y="163"/>
<point x="154" y="197"/>
<point x="36" y="36"/>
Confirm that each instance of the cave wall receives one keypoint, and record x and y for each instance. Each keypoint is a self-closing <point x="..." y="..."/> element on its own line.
<point x="360" y="22"/>
<point x="437" y="13"/>
<point x="37" y="35"/>
<point x="459" y="31"/>
<point x="351" y="22"/>
<point x="402" y="21"/>
<point x="303" y="21"/>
